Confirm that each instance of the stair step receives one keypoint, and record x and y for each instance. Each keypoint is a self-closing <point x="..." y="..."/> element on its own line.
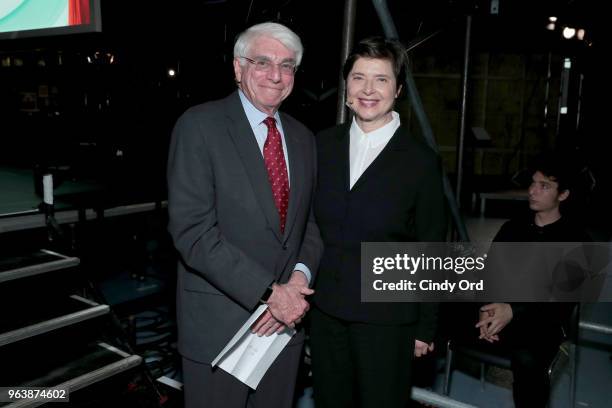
<point x="99" y="362"/>
<point x="79" y="309"/>
<point x="36" y="263"/>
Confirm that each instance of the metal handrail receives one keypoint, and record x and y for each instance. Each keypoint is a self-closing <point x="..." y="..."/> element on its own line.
<point x="595" y="327"/>
<point x="438" y="400"/>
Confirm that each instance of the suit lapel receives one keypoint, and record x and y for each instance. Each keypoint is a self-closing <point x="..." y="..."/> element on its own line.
<point x="344" y="162"/>
<point x="242" y="135"/>
<point x="398" y="143"/>
<point x="346" y="156"/>
<point x="297" y="173"/>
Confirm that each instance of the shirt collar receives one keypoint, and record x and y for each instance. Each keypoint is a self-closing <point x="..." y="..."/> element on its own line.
<point x="378" y="136"/>
<point x="254" y="115"/>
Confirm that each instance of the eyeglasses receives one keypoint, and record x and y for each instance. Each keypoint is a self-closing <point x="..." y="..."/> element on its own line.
<point x="265" y="65"/>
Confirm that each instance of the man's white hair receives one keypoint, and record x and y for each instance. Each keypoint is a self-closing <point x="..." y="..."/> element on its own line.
<point x="273" y="30"/>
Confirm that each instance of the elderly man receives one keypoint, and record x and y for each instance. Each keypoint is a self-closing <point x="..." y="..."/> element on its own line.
<point x="240" y="182"/>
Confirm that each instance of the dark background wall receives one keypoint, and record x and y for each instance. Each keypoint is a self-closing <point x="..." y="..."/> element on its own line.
<point x="102" y="106"/>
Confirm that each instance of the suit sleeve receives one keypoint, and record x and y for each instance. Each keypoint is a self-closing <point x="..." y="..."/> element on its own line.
<point x="312" y="245"/>
<point x="193" y="218"/>
<point x="431" y="226"/>
<point x="428" y="322"/>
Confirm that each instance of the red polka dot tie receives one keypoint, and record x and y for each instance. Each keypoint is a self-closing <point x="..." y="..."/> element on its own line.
<point x="277" y="170"/>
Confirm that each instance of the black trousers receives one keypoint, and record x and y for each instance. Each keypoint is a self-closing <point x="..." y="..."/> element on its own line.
<point x="531" y="387"/>
<point x="360" y="365"/>
<point x="206" y="387"/>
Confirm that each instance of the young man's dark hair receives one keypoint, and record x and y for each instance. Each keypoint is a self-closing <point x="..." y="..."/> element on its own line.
<point x="556" y="167"/>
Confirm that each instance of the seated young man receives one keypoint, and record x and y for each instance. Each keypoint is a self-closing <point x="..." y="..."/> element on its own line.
<point x="532" y="332"/>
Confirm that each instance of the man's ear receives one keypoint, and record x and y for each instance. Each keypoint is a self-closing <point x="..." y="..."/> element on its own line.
<point x="563" y="196"/>
<point x="237" y="70"/>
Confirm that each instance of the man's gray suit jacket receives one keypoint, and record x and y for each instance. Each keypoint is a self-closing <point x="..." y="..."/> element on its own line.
<point x="225" y="225"/>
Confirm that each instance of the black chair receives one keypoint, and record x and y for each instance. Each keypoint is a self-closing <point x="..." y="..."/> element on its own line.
<point x="482" y="354"/>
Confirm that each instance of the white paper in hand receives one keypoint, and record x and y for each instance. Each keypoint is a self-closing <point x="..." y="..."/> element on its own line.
<point x="248" y="356"/>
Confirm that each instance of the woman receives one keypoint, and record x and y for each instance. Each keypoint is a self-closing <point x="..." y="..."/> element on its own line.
<point x="376" y="183"/>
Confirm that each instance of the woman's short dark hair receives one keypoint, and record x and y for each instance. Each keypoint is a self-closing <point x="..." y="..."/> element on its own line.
<point x="380" y="48"/>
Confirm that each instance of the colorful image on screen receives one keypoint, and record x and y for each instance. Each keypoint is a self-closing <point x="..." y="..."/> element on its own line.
<point x="20" y="15"/>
